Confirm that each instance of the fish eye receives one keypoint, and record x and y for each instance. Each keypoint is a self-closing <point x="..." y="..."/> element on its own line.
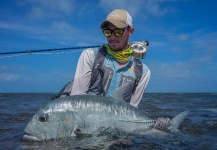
<point x="43" y="118"/>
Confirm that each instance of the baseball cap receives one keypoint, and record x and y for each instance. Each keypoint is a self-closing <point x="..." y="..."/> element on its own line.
<point x="119" y="18"/>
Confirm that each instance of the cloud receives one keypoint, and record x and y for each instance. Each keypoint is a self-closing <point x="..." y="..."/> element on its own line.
<point x="151" y="7"/>
<point x="37" y="13"/>
<point x="41" y="9"/>
<point x="11" y="68"/>
<point x="3" y="67"/>
<point x="154" y="8"/>
<point x="25" y="29"/>
<point x="206" y="58"/>
<point x="10" y="73"/>
<point x="132" y="7"/>
<point x="183" y="76"/>
<point x="204" y="40"/>
<point x="62" y="28"/>
<point x="13" y="80"/>
<point x="9" y="76"/>
<point x="4" y="25"/>
<point x="179" y="37"/>
<point x="175" y="70"/>
<point x="59" y="74"/>
<point x="183" y="61"/>
<point x="56" y="31"/>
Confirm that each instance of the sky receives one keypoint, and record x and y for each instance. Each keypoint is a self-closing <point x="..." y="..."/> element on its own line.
<point x="182" y="54"/>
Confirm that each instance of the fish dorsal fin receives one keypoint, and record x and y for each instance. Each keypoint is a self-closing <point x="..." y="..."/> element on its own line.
<point x="119" y="93"/>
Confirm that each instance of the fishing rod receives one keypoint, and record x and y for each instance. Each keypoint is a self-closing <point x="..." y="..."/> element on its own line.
<point x="46" y="50"/>
<point x="139" y="50"/>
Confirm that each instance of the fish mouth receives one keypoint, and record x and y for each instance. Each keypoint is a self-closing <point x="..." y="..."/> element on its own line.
<point x="31" y="136"/>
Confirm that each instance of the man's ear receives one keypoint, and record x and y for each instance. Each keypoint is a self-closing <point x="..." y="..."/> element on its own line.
<point x="131" y="30"/>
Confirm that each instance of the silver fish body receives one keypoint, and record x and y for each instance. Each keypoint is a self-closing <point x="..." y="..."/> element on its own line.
<point x="84" y="114"/>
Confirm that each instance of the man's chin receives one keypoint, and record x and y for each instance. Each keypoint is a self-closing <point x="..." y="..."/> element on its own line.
<point x="114" y="47"/>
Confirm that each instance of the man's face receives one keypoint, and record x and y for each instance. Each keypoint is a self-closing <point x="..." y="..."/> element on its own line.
<point x="118" y="43"/>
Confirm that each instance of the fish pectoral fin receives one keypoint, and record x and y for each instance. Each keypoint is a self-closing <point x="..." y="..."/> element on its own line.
<point x="81" y="132"/>
<point x="79" y="126"/>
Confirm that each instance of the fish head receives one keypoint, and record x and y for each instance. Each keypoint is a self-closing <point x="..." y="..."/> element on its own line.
<point x="49" y="124"/>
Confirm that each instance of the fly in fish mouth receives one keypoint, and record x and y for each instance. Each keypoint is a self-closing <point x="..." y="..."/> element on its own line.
<point x="29" y="137"/>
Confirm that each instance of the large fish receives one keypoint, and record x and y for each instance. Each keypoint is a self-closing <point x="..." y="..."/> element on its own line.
<point x="85" y="114"/>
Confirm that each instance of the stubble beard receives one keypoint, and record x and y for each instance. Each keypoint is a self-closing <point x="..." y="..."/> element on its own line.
<point x="114" y="45"/>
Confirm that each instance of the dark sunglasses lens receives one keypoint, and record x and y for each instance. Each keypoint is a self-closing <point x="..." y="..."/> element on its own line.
<point x="107" y="32"/>
<point x="118" y="32"/>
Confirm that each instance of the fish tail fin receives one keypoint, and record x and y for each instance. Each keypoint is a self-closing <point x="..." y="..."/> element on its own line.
<point x="162" y="123"/>
<point x="177" y="120"/>
<point x="165" y="123"/>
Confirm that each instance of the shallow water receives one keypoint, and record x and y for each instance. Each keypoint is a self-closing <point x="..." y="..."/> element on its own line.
<point x="197" y="131"/>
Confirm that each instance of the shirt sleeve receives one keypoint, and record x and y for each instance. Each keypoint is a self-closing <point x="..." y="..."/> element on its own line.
<point x="137" y="96"/>
<point x="83" y="72"/>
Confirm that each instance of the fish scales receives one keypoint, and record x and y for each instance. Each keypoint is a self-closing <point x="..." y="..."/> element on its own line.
<point x="102" y="104"/>
<point x="85" y="114"/>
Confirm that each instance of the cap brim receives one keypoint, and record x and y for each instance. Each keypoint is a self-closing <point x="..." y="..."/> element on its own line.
<point x="116" y="23"/>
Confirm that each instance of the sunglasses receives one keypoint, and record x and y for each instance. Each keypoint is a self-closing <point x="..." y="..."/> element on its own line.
<point x="117" y="32"/>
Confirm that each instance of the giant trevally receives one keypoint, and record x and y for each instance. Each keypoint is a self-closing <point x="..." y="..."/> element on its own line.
<point x="85" y="114"/>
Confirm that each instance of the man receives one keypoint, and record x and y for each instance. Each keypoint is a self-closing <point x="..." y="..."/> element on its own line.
<point x="118" y="65"/>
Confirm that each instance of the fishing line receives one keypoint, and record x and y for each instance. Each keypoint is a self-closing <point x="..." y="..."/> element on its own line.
<point x="44" y="51"/>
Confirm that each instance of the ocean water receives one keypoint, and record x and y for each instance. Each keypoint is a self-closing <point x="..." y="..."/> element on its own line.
<point x="197" y="131"/>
